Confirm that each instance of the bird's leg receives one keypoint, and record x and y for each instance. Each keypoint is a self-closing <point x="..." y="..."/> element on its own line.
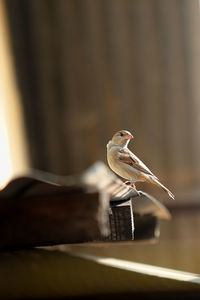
<point x="133" y="186"/>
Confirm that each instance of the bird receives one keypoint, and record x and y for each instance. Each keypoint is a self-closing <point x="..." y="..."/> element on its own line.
<point x="127" y="165"/>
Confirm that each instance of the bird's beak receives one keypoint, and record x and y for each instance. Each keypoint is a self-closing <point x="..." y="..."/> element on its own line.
<point x="129" y="136"/>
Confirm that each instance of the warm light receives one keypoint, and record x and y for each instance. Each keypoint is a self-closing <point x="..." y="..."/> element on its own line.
<point x="5" y="163"/>
<point x="13" y="152"/>
<point x="143" y="268"/>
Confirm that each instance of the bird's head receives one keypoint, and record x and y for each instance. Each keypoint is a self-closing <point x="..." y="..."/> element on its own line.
<point x="122" y="138"/>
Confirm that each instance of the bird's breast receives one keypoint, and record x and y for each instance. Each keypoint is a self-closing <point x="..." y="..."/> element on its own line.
<point x="120" y="168"/>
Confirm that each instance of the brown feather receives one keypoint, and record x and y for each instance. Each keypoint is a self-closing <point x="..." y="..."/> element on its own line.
<point x="126" y="156"/>
<point x="159" y="184"/>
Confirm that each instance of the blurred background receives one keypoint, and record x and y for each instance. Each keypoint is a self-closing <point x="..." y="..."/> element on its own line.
<point x="85" y="69"/>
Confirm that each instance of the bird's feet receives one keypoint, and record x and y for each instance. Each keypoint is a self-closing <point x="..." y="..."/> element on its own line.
<point x="131" y="184"/>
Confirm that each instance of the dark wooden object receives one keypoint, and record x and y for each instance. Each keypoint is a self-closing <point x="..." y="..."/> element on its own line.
<point x="121" y="222"/>
<point x="44" y="209"/>
<point x="70" y="217"/>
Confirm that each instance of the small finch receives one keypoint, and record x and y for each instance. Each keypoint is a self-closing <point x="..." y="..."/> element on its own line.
<point x="126" y="164"/>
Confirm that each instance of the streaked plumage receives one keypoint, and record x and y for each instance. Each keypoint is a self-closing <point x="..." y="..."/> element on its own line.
<point x="126" y="164"/>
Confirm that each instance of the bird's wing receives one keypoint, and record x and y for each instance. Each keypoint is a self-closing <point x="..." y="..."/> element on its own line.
<point x="127" y="157"/>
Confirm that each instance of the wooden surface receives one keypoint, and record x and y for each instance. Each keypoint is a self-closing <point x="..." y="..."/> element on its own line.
<point x="62" y="274"/>
<point x="122" y="222"/>
<point x="63" y="218"/>
<point x="44" y="209"/>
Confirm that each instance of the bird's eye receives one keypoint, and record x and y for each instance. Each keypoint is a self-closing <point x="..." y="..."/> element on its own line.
<point x="121" y="134"/>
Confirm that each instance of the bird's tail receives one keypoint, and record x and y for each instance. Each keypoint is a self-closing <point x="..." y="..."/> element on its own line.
<point x="157" y="182"/>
